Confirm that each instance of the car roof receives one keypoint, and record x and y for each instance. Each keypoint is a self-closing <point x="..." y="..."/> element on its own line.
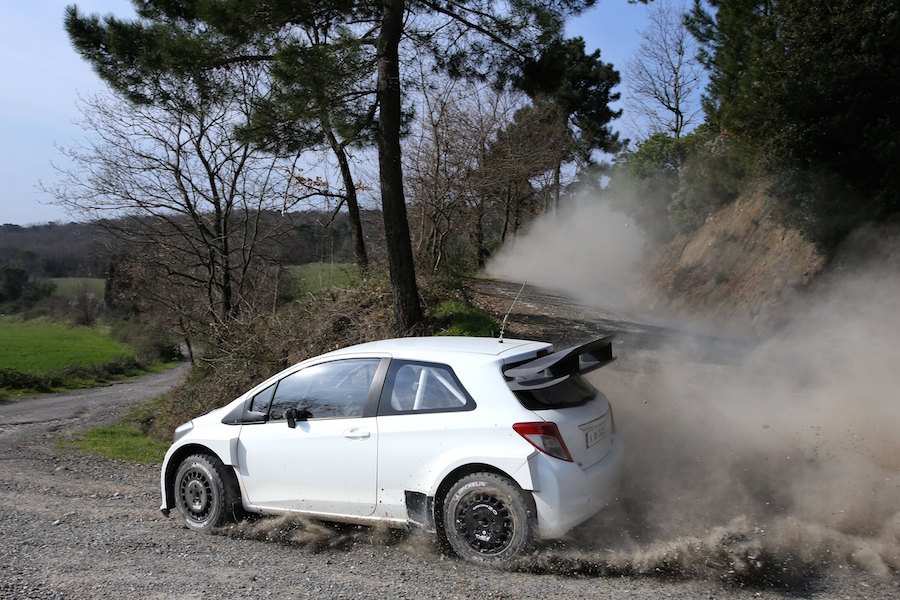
<point x="429" y="348"/>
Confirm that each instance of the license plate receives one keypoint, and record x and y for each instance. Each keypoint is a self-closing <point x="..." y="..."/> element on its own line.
<point x="594" y="432"/>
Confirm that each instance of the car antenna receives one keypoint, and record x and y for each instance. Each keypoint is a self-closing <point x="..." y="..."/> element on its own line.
<point x="506" y="316"/>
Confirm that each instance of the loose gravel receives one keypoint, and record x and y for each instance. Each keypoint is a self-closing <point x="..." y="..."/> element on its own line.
<point x="74" y="526"/>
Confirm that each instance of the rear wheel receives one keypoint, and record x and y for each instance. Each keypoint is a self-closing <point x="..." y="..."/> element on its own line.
<point x="205" y="492"/>
<point x="487" y="519"/>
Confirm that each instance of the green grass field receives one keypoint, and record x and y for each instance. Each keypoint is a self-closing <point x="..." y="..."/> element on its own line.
<point x="69" y="287"/>
<point x="40" y="346"/>
<point x="319" y="277"/>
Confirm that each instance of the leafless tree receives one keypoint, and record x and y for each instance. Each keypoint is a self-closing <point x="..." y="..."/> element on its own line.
<point x="183" y="194"/>
<point x="434" y="168"/>
<point x="446" y="159"/>
<point x="475" y="166"/>
<point x="664" y="78"/>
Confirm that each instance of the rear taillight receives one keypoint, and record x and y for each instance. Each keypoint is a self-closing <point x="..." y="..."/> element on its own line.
<point x="545" y="437"/>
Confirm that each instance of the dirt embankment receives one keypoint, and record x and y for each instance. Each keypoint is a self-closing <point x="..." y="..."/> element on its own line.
<point x="741" y="264"/>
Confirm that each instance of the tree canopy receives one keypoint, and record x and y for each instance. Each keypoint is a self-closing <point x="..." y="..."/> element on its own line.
<point x="195" y="39"/>
<point x="814" y="86"/>
<point x="804" y="93"/>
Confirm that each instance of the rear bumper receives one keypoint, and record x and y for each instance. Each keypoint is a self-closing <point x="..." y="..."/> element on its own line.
<point x="567" y="495"/>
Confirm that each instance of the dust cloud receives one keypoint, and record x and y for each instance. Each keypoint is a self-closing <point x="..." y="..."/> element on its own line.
<point x="770" y="464"/>
<point x="775" y="461"/>
<point x="586" y="249"/>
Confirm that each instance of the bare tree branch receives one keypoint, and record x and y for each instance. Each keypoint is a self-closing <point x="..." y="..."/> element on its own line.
<point x="664" y="78"/>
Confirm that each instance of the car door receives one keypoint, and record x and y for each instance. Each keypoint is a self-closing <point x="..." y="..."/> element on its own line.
<point x="425" y="418"/>
<point x="327" y="462"/>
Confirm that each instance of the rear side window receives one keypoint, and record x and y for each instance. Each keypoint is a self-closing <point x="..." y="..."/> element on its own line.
<point x="573" y="391"/>
<point x="413" y="387"/>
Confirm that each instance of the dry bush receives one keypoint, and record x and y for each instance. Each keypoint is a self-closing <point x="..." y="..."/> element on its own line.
<point x="248" y="352"/>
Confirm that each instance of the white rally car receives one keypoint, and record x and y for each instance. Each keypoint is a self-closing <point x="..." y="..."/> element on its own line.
<point x="489" y="443"/>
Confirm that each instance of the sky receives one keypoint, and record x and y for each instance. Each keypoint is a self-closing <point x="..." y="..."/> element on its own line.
<point x="43" y="77"/>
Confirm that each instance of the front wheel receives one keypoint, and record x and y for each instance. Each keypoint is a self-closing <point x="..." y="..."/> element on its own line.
<point x="487" y="519"/>
<point x="204" y="492"/>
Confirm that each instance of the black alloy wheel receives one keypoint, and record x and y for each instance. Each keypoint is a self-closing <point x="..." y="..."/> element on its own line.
<point x="487" y="519"/>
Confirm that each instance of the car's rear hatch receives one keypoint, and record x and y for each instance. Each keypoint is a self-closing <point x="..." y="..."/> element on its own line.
<point x="554" y="388"/>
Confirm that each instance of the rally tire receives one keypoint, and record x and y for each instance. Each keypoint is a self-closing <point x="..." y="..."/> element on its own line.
<point x="205" y="492"/>
<point x="487" y="519"/>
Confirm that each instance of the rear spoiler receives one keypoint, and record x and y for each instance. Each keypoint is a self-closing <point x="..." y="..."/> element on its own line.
<point x="549" y="370"/>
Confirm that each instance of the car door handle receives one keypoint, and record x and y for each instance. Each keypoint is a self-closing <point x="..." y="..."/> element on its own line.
<point x="357" y="434"/>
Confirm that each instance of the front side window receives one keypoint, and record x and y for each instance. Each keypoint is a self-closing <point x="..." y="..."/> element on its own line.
<point x="422" y="387"/>
<point x="260" y="402"/>
<point x="326" y="391"/>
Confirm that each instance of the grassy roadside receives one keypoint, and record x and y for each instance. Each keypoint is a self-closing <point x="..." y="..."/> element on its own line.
<point x="41" y="346"/>
<point x="455" y="317"/>
<point x="39" y="356"/>
<point x="314" y="278"/>
<point x="126" y="440"/>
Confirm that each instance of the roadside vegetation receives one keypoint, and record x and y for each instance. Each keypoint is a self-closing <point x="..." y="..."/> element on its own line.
<point x="769" y="115"/>
<point x="456" y="317"/>
<point x="127" y="439"/>
<point x="314" y="278"/>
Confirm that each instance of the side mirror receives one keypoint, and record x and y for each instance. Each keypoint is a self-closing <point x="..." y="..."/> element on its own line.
<point x="291" y="416"/>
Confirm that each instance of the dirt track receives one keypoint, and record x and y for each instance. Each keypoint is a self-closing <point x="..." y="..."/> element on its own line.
<point x="79" y="527"/>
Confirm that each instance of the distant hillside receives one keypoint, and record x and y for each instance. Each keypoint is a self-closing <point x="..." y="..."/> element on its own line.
<point x="83" y="249"/>
<point x="55" y="249"/>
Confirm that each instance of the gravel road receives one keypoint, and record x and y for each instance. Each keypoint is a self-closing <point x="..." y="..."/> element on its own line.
<point x="81" y="527"/>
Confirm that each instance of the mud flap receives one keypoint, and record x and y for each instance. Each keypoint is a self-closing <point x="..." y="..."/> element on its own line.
<point x="420" y="510"/>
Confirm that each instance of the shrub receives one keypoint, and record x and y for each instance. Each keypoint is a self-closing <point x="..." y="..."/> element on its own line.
<point x="714" y="173"/>
<point x="455" y="317"/>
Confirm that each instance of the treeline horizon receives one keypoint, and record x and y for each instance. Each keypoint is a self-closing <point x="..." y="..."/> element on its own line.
<point x="85" y="249"/>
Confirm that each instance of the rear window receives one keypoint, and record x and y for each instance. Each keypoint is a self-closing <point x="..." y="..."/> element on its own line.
<point x="573" y="391"/>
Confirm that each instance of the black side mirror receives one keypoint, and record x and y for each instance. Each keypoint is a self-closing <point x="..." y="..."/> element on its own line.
<point x="291" y="416"/>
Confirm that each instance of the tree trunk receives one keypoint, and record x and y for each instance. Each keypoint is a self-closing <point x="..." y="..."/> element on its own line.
<point x="219" y="250"/>
<point x="557" y="176"/>
<point x="564" y="143"/>
<point x="407" y="309"/>
<point x="506" y="211"/>
<point x="356" y="231"/>
<point x="481" y="249"/>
